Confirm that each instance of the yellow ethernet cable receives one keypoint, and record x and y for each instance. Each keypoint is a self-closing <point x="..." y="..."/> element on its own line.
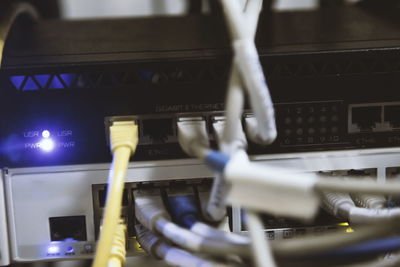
<point x="118" y="251"/>
<point x="9" y="16"/>
<point x="123" y="139"/>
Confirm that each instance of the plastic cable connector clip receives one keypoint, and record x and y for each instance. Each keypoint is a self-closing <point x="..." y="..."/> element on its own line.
<point x="124" y="133"/>
<point x="149" y="208"/>
<point x="147" y="240"/>
<point x="193" y="136"/>
<point x="216" y="160"/>
<point x="260" y="188"/>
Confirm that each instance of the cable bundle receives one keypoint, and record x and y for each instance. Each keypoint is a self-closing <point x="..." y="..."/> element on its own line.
<point x="171" y="226"/>
<point x="275" y="191"/>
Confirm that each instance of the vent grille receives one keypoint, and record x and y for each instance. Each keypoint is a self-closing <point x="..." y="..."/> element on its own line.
<point x="43" y="81"/>
<point x="333" y="67"/>
<point x="112" y="79"/>
<point x="300" y="66"/>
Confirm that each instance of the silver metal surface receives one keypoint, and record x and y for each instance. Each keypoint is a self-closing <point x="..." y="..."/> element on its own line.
<point x="4" y="249"/>
<point x="36" y="194"/>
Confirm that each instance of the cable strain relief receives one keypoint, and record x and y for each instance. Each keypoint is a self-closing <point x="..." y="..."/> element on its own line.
<point x="118" y="247"/>
<point x="147" y="240"/>
<point x="149" y="215"/>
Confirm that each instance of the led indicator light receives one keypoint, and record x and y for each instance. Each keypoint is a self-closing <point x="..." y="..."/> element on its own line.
<point x="45" y="134"/>
<point x="70" y="249"/>
<point x="53" y="250"/>
<point x="88" y="248"/>
<point x="47" y="145"/>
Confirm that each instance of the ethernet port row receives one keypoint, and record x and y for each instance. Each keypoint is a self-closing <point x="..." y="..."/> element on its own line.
<point x="374" y="117"/>
<point x="128" y="206"/>
<point x="362" y="173"/>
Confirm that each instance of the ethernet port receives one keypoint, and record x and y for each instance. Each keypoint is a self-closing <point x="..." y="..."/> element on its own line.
<point x="392" y="115"/>
<point x="365" y="119"/>
<point x="68" y="228"/>
<point x="157" y="131"/>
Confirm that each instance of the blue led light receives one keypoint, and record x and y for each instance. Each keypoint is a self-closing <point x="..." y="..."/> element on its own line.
<point x="30" y="85"/>
<point x="53" y="250"/>
<point x="68" y="78"/>
<point x="88" y="248"/>
<point x="45" y="134"/>
<point x="43" y="79"/>
<point x="70" y="249"/>
<point x="47" y="145"/>
<point x="17" y="81"/>
<point x="56" y="83"/>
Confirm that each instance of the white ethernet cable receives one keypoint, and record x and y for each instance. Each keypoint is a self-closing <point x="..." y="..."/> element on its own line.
<point x="150" y="212"/>
<point x="230" y="139"/>
<point x="248" y="65"/>
<point x="210" y="232"/>
<point x="193" y="136"/>
<point x="171" y="255"/>
<point x="261" y="248"/>
<point x="260" y="188"/>
<point x="311" y="244"/>
<point x="232" y="135"/>
<point x="341" y="205"/>
<point x="348" y="184"/>
<point x="369" y="201"/>
<point x="193" y="139"/>
<point x="229" y="145"/>
<point x="260" y="245"/>
<point x="235" y="95"/>
<point x="296" y="193"/>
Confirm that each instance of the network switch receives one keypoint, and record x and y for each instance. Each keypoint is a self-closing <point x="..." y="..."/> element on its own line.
<point x="322" y="84"/>
<point x="74" y="195"/>
<point x="54" y="153"/>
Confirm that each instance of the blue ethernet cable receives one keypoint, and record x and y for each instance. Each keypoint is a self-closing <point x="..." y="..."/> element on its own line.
<point x="183" y="209"/>
<point x="368" y="248"/>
